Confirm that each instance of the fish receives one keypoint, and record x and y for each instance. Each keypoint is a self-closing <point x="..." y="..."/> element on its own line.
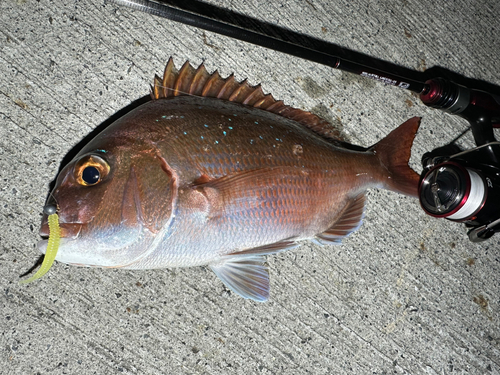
<point x="213" y="172"/>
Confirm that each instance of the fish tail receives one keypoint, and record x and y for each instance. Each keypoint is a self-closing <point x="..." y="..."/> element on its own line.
<point x="394" y="153"/>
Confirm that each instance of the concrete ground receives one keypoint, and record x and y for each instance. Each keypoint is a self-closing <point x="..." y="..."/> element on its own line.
<point x="406" y="294"/>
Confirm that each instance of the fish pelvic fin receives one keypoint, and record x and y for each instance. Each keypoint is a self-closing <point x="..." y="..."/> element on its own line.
<point x="349" y="221"/>
<point x="394" y="153"/>
<point x="199" y="82"/>
<point x="246" y="276"/>
<point x="246" y="272"/>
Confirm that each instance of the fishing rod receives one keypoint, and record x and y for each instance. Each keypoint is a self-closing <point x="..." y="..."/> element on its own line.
<point x="462" y="186"/>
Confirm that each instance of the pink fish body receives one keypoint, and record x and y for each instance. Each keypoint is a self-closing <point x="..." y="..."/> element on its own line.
<point x="221" y="177"/>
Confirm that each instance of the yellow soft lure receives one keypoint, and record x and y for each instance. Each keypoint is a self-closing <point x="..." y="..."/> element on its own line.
<point x="52" y="246"/>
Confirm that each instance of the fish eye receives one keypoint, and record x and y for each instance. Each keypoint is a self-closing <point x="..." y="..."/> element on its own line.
<point x="91" y="175"/>
<point x="91" y="170"/>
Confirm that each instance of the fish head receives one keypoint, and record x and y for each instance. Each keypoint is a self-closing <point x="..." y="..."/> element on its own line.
<point x="112" y="199"/>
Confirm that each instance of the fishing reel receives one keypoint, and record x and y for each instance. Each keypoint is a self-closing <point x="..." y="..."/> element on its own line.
<point x="464" y="186"/>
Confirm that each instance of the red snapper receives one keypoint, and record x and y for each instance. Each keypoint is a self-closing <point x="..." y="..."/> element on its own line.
<point x="213" y="172"/>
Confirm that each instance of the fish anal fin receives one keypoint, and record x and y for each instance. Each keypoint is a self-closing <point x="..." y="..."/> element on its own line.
<point x="246" y="276"/>
<point x="198" y="82"/>
<point x="349" y="221"/>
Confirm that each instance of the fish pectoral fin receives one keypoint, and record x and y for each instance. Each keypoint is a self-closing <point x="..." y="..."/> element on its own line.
<point x="244" y="190"/>
<point x="349" y="221"/>
<point x="243" y="180"/>
<point x="272" y="248"/>
<point x="245" y="275"/>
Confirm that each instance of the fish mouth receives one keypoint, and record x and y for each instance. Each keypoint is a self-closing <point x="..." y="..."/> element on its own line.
<point x="78" y="249"/>
<point x="42" y="247"/>
<point x="68" y="230"/>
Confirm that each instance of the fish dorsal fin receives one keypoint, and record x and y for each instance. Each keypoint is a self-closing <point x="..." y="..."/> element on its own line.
<point x="349" y="221"/>
<point x="198" y="82"/>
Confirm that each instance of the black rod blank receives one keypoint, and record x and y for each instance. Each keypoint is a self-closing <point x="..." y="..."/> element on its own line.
<point x="226" y="28"/>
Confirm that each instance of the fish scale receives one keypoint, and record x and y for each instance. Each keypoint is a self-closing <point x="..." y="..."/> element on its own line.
<point x="221" y="177"/>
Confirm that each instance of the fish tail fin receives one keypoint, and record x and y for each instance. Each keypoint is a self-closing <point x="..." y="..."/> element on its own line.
<point x="394" y="153"/>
